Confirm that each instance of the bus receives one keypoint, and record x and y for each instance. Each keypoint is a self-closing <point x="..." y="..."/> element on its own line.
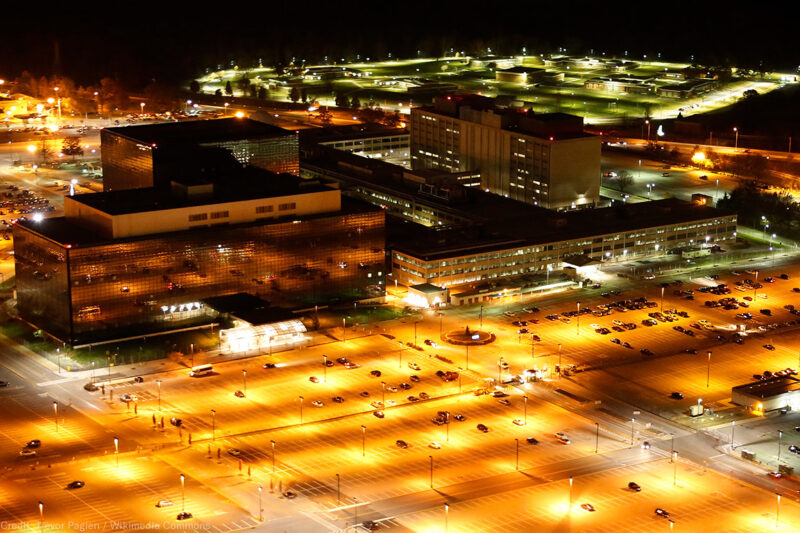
<point x="201" y="370"/>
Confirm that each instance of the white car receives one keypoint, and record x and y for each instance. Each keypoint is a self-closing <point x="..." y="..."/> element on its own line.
<point x="377" y="405"/>
<point x="435" y="445"/>
<point x="317" y="403"/>
<point x="27" y="453"/>
<point x="412" y="365"/>
<point x="519" y="422"/>
<point x="391" y="402"/>
<point x="164" y="503"/>
<point x="594" y="326"/>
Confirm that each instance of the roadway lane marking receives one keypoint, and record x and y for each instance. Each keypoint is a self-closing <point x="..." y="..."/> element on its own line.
<point x="56" y="382"/>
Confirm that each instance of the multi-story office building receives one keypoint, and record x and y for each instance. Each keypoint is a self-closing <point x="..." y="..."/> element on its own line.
<point x="537" y="241"/>
<point x="153" y="155"/>
<point x="540" y="159"/>
<point x="134" y="261"/>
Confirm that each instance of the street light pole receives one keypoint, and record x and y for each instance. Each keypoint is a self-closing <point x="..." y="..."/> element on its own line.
<point x="383" y="394"/>
<point x="301" y="410"/>
<point x="778" y="511"/>
<point x="244" y="382"/>
<point x="525" y="410"/>
<point x="780" y="441"/>
<point x="415" y="333"/>
<point x="213" y="424"/>
<point x="324" y="368"/>
<point x="338" y="490"/>
<point x="446" y="511"/>
<point x="116" y="450"/>
<point x="733" y="425"/>
<point x="578" y="316"/>
<point x="41" y="516"/>
<point x="517" y="459"/>
<point x="260" y="509"/>
<point x="272" y="442"/>
<point x="708" y="371"/>
<point x="675" y="468"/>
<point x="736" y="144"/>
<point x="431" y="458"/>
<point x="183" y="493"/>
<point x="633" y="425"/>
<point x="559" y="360"/>
<point x="55" y="413"/>
<point x="363" y="440"/>
<point x="467" y="347"/>
<point x="597" y="437"/>
<point x="400" y="356"/>
<point x="662" y="299"/>
<point x="481" y="322"/>
<point x="158" y="382"/>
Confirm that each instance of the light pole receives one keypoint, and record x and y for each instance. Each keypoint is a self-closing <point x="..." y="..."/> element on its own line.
<point x="183" y="493"/>
<point x="525" y="410"/>
<point x="272" y="442"/>
<point x="158" y="382"/>
<point x="570" y="495"/>
<point x="363" y="440"/>
<point x="92" y="371"/>
<point x="633" y="425"/>
<point x="736" y="132"/>
<point x="344" y="329"/>
<point x="338" y="490"/>
<point x="383" y="394"/>
<point x="780" y="441"/>
<point x="55" y="413"/>
<point x="260" y="509"/>
<point x="481" y="322"/>
<point x="517" y="458"/>
<point x="415" y="332"/>
<point x="431" y="458"/>
<point x="708" y="370"/>
<point x="559" y="360"/>
<point x="141" y="105"/>
<point x="324" y="368"/>
<point x="446" y="511"/>
<point x="596" y="437"/>
<point x="578" y="316"/>
<point x="778" y="511"/>
<point x="41" y="516"/>
<point x="301" y="410"/>
<point x="213" y="424"/>
<point x="116" y="450"/>
<point x="675" y="468"/>
<point x="662" y="299"/>
<point x="447" y="426"/>
<point x="733" y="425"/>
<point x="244" y="382"/>
<point x="467" y="356"/>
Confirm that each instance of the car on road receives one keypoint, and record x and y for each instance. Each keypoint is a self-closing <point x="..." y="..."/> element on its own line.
<point x="378" y="414"/>
<point x="401" y="444"/>
<point x="769" y="347"/>
<point x="676" y="396"/>
<point x="412" y="398"/>
<point x="460" y="417"/>
<point x="234" y="452"/>
<point x="238" y="394"/>
<point x="518" y="422"/>
<point x="765" y="312"/>
<point x="435" y="445"/>
<point x="634" y="487"/>
<point x="337" y="399"/>
<point x="184" y="515"/>
<point x="177" y="422"/>
<point x="127" y="398"/>
<point x="375" y="373"/>
<point x="587" y="507"/>
<point x="645" y="351"/>
<point x="794" y="449"/>
<point x="645" y="445"/>
<point x="377" y="404"/>
<point x="27" y="452"/>
<point x="164" y="503"/>
<point x="75" y="484"/>
<point x="3" y="383"/>
<point x="413" y="366"/>
<point x="775" y="475"/>
<point x="562" y="438"/>
<point x="267" y="366"/>
<point x="313" y="379"/>
<point x="289" y="495"/>
<point x="35" y="443"/>
<point x="405" y="386"/>
<point x="531" y="440"/>
<point x="482" y="427"/>
<point x="317" y="403"/>
<point x="351" y="366"/>
<point x="661" y="512"/>
<point x="364" y="394"/>
<point x="414" y="378"/>
<point x="424" y="396"/>
<point x="342" y="360"/>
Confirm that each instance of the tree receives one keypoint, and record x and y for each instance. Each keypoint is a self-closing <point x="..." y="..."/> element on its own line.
<point x="325" y="116"/>
<point x="112" y="92"/>
<point x="228" y="88"/>
<point x="253" y="91"/>
<point x="342" y="100"/>
<point x="304" y="95"/>
<point x="371" y="115"/>
<point x="294" y="95"/>
<point x="355" y="103"/>
<point x="45" y="153"/>
<point x="262" y="93"/>
<point x="624" y="180"/>
<point x="71" y="146"/>
<point x="218" y="92"/>
<point x="750" y="93"/>
<point x="393" y="120"/>
<point x="244" y="84"/>
<point x="279" y="69"/>
<point x="194" y="87"/>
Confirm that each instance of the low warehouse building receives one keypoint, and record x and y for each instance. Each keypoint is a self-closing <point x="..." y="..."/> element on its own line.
<point x="779" y="392"/>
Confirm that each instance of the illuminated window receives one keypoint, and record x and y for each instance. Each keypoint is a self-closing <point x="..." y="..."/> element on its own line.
<point x="219" y="214"/>
<point x="197" y="217"/>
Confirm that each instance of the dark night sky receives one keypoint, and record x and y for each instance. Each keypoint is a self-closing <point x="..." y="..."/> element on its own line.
<point x="142" y="41"/>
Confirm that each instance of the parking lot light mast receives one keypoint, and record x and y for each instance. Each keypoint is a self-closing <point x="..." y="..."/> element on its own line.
<point x="708" y="370"/>
<point x="301" y="410"/>
<point x="213" y="424"/>
<point x="324" y="368"/>
<point x="272" y="442"/>
<point x="778" y="511"/>
<point x="183" y="493"/>
<point x="596" y="437"/>
<point x="675" y="468"/>
<point x="780" y="441"/>
<point x="578" y="316"/>
<point x="662" y="299"/>
<point x="260" y="508"/>
<point x="363" y="440"/>
<point x="431" y="458"/>
<point x="517" y="457"/>
<point x="158" y="382"/>
<point x="55" y="413"/>
<point x="41" y="516"/>
<point x="525" y="410"/>
<point x="116" y="450"/>
<point x="244" y="382"/>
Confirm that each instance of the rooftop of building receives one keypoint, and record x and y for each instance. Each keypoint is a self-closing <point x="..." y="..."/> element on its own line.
<point x="68" y="233"/>
<point x="199" y="131"/>
<point x="689" y="85"/>
<point x="519" y="224"/>
<point x="249" y="183"/>
<point x="523" y="70"/>
<point x="768" y="388"/>
<point x="350" y="131"/>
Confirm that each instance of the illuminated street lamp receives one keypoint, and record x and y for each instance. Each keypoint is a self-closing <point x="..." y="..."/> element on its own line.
<point x="633" y="426"/>
<point x="158" y="382"/>
<point x="244" y="382"/>
<point x="446" y="511"/>
<point x="226" y="104"/>
<point x="662" y="298"/>
<point x="578" y="316"/>
<point x="41" y="516"/>
<point x="400" y="355"/>
<point x="183" y="493"/>
<point x="344" y="329"/>
<point x="55" y="413"/>
<point x="559" y="360"/>
<point x="260" y="509"/>
<point x="780" y="440"/>
<point x="383" y="393"/>
<point x="213" y="424"/>
<point x="324" y="368"/>
<point x="272" y="442"/>
<point x="516" y="467"/>
<point x="675" y="468"/>
<point x="141" y="105"/>
<point x="736" y="131"/>
<point x="570" y="495"/>
<point x="733" y="425"/>
<point x="778" y="511"/>
<point x="525" y="410"/>
<point x="116" y="450"/>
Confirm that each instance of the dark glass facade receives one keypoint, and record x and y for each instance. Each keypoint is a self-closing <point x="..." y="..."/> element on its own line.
<point x="87" y="292"/>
